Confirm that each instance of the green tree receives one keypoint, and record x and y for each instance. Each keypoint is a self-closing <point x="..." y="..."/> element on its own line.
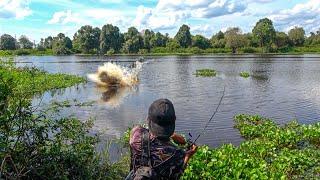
<point x="48" y="42"/>
<point x="25" y="43"/>
<point x="313" y="39"/>
<point x="173" y="45"/>
<point x="159" y="40"/>
<point x="133" y="41"/>
<point x="110" y="39"/>
<point x="265" y="33"/>
<point x="183" y="36"/>
<point x="297" y="36"/>
<point x="7" y="42"/>
<point x="281" y="40"/>
<point x="218" y="41"/>
<point x="200" y="42"/>
<point x="234" y="39"/>
<point x="61" y="45"/>
<point x="86" y="39"/>
<point x="147" y="36"/>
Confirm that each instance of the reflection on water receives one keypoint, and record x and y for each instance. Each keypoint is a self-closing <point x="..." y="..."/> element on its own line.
<point x="281" y="87"/>
<point x="113" y="95"/>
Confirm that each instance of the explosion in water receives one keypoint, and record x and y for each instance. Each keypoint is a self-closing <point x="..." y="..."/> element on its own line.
<point x="111" y="74"/>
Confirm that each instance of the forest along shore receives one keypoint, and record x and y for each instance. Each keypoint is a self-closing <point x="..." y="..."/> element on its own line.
<point x="110" y="41"/>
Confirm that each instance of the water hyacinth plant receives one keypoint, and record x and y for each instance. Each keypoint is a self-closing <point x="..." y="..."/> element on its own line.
<point x="269" y="152"/>
<point x="244" y="74"/>
<point x="205" y="72"/>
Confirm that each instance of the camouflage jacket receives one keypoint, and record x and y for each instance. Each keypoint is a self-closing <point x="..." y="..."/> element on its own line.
<point x="160" y="152"/>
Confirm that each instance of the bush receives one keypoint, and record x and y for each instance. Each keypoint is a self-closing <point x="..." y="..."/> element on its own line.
<point x="36" y="146"/>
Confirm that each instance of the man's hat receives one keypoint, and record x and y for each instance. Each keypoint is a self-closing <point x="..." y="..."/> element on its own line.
<point x="161" y="118"/>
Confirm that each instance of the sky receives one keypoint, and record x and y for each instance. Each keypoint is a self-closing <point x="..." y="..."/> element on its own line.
<point x="41" y="18"/>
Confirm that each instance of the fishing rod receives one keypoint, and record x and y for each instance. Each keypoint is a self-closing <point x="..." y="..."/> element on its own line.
<point x="207" y="124"/>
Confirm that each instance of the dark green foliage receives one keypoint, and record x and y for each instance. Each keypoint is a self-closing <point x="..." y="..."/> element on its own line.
<point x="110" y="38"/>
<point x="147" y="36"/>
<point x="25" y="43"/>
<point x="297" y="36"/>
<point x="48" y="42"/>
<point x="61" y="45"/>
<point x="264" y="32"/>
<point x="270" y="152"/>
<point x="200" y="42"/>
<point x="183" y="36"/>
<point x="282" y="40"/>
<point x="86" y="39"/>
<point x="7" y="42"/>
<point x="205" y="72"/>
<point x="159" y="40"/>
<point x="133" y="41"/>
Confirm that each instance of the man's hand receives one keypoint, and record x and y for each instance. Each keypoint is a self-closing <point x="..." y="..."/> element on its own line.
<point x="178" y="139"/>
<point x="190" y="153"/>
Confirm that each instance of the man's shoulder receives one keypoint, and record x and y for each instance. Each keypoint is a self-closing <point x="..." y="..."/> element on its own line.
<point x="136" y="133"/>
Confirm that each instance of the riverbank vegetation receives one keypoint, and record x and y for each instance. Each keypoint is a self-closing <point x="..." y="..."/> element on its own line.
<point x="110" y="41"/>
<point x="36" y="145"/>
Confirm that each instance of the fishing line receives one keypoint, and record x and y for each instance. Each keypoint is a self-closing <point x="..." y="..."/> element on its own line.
<point x="215" y="112"/>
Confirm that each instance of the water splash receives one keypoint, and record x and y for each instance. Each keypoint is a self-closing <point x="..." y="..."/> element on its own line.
<point x="115" y="75"/>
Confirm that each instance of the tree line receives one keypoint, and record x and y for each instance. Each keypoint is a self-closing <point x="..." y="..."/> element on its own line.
<point x="109" y="40"/>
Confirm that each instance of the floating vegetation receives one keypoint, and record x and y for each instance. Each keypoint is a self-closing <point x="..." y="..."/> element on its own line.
<point x="244" y="74"/>
<point x="205" y="72"/>
<point x="269" y="152"/>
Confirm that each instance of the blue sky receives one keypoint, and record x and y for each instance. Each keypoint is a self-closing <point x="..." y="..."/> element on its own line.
<point x="41" y="18"/>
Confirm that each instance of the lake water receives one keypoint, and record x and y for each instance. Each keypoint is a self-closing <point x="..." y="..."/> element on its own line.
<point x="281" y="87"/>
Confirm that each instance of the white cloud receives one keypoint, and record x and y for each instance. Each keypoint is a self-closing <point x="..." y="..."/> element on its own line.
<point x="168" y="14"/>
<point x="64" y="17"/>
<point x="17" y="9"/>
<point x="306" y="15"/>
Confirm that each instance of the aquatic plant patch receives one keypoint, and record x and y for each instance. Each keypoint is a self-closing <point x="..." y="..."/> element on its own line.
<point x="205" y="72"/>
<point x="244" y="74"/>
<point x="269" y="152"/>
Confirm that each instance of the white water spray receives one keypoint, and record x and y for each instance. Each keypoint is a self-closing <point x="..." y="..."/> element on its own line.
<point x="111" y="74"/>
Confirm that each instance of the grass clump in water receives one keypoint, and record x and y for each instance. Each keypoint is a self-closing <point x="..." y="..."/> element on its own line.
<point x="206" y="72"/>
<point x="244" y="74"/>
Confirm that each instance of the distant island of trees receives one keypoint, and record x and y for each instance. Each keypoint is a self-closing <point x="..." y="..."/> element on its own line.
<point x="109" y="40"/>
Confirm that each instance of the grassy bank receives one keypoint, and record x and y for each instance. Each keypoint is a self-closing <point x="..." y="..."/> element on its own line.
<point x="164" y="51"/>
<point x="34" y="144"/>
<point x="24" y="52"/>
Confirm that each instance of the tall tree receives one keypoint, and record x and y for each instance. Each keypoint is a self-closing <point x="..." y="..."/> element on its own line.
<point x="7" y="42"/>
<point x="183" y="36"/>
<point x="133" y="41"/>
<point x="200" y="42"/>
<point x="61" y="44"/>
<point x="234" y="39"/>
<point x="297" y="36"/>
<point x="110" y="38"/>
<point x="217" y="40"/>
<point x="147" y="36"/>
<point x="281" y="40"/>
<point x="48" y="42"/>
<point x="159" y="40"/>
<point x="265" y="33"/>
<point x="86" y="39"/>
<point x="25" y="43"/>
